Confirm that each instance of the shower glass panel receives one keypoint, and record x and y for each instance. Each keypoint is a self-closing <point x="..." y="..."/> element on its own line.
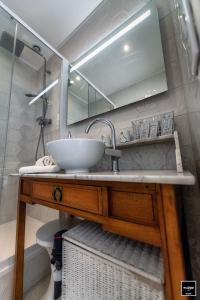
<point x="7" y="25"/>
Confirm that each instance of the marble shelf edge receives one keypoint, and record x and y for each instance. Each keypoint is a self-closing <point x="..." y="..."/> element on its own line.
<point x="144" y="176"/>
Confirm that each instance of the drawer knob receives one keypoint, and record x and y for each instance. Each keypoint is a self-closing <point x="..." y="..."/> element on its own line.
<point x="57" y="194"/>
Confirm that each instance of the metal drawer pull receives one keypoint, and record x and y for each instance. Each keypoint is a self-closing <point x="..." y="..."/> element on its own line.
<point x="57" y="194"/>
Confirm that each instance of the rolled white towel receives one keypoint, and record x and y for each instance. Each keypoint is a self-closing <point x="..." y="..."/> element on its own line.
<point x="39" y="162"/>
<point x="45" y="161"/>
<point x="48" y="161"/>
<point x="39" y="169"/>
<point x="44" y="164"/>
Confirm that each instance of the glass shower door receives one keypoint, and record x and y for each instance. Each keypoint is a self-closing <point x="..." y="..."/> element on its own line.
<point x="7" y="30"/>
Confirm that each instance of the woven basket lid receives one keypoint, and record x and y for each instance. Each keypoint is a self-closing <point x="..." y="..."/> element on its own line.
<point x="142" y="258"/>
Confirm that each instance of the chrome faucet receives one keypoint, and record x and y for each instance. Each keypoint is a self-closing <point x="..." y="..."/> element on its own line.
<point x="114" y="153"/>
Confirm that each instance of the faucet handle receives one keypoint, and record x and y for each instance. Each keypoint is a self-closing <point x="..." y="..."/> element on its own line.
<point x="115" y="155"/>
<point x="113" y="152"/>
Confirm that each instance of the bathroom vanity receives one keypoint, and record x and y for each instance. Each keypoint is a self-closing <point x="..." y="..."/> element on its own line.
<point x="141" y="205"/>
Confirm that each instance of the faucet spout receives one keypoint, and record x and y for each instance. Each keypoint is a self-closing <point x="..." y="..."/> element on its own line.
<point x="110" y="124"/>
<point x="114" y="153"/>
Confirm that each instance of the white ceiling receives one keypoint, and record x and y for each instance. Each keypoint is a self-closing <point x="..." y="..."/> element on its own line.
<point x="53" y="20"/>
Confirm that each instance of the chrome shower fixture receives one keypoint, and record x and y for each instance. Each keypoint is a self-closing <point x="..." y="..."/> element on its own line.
<point x="30" y="95"/>
<point x="36" y="48"/>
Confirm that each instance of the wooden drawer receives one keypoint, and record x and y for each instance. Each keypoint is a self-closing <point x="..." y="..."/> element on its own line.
<point x="134" y="207"/>
<point x="86" y="198"/>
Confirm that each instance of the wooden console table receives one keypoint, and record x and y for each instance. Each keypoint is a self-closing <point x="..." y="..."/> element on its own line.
<point x="138" y="205"/>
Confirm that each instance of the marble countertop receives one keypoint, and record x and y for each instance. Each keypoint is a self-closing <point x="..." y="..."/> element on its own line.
<point x="145" y="176"/>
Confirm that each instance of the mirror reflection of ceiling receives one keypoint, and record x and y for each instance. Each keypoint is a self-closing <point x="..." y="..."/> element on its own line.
<point x="133" y="58"/>
<point x="78" y="87"/>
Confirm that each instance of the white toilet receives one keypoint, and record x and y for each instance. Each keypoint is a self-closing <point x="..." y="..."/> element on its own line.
<point x="45" y="238"/>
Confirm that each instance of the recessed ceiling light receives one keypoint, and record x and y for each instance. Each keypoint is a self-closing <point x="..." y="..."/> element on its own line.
<point x="72" y="81"/>
<point x="78" y="78"/>
<point x="126" y="48"/>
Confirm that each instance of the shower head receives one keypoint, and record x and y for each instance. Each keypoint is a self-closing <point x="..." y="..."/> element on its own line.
<point x="7" y="42"/>
<point x="35" y="95"/>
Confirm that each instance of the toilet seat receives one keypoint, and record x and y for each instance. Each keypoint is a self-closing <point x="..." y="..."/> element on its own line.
<point x="45" y="234"/>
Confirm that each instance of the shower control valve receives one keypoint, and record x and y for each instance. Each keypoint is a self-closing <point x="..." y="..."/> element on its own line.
<point x="43" y="121"/>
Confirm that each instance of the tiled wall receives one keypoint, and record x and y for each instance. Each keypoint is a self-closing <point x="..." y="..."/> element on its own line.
<point x="182" y="97"/>
<point x="9" y="196"/>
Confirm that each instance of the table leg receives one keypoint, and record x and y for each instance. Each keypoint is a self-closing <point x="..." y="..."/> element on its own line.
<point x="173" y="249"/>
<point x="19" y="252"/>
<point x="167" y="275"/>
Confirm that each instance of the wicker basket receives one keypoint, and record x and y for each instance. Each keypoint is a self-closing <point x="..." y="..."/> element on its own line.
<point x="105" y="266"/>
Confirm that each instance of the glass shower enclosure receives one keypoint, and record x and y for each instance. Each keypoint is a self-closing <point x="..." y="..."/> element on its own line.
<point x="6" y="66"/>
<point x="28" y="66"/>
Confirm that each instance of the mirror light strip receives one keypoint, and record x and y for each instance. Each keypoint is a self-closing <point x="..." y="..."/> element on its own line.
<point x="43" y="92"/>
<point x="112" y="40"/>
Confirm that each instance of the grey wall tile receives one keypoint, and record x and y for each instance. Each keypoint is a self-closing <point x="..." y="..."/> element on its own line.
<point x="9" y="199"/>
<point x="192" y="96"/>
<point x="163" y="7"/>
<point x="194" y="119"/>
<point x="181" y="125"/>
<point x="167" y="28"/>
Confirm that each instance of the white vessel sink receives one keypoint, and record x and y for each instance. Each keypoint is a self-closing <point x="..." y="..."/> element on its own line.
<point x="76" y="155"/>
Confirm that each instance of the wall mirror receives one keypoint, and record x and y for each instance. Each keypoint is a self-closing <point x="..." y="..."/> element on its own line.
<point x="125" y="67"/>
